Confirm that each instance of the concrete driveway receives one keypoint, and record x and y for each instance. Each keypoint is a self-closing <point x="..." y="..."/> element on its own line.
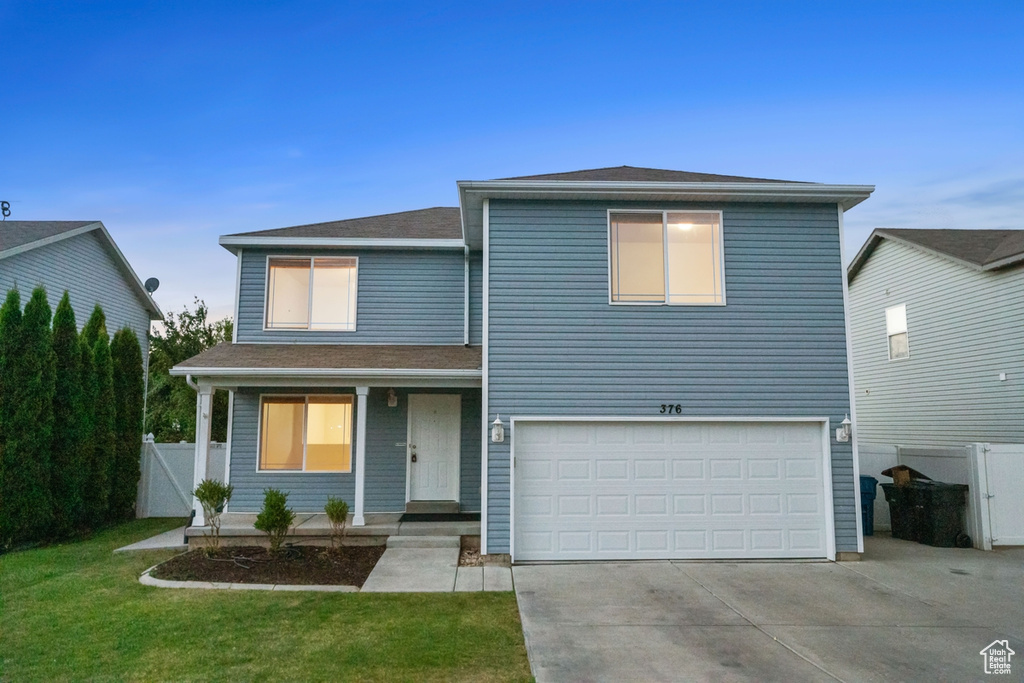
<point x="907" y="612"/>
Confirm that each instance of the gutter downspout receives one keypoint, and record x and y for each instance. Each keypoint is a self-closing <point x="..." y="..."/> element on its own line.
<point x="188" y="381"/>
<point x="465" y="307"/>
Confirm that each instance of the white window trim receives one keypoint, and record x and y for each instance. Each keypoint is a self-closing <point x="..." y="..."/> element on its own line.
<point x="309" y="303"/>
<point x="888" y="337"/>
<point x="305" y="409"/>
<point x="663" y="212"/>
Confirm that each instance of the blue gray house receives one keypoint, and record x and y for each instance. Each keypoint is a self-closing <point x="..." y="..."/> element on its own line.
<point x="620" y="363"/>
<point x="82" y="258"/>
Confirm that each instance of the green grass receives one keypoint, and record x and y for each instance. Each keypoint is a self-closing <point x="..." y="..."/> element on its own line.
<point x="77" y="612"/>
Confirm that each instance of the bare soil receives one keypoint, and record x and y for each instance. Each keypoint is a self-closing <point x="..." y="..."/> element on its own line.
<point x="298" y="565"/>
<point x="470" y="557"/>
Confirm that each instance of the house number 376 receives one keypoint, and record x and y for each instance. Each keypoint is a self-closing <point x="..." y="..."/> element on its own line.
<point x="670" y="408"/>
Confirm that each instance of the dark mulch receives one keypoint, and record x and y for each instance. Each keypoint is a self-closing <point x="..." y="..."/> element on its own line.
<point x="301" y="565"/>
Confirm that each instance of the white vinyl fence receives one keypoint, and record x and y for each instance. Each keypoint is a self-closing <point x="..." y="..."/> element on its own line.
<point x="165" y="488"/>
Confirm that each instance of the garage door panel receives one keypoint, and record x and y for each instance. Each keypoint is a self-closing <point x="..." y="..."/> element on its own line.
<point x="746" y="490"/>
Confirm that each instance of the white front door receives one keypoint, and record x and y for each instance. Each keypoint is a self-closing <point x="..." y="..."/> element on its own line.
<point x="434" y="424"/>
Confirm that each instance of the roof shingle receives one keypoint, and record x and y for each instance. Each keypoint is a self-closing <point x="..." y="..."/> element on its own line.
<point x="439" y="222"/>
<point x="625" y="174"/>
<point x="19" y="233"/>
<point x="333" y="356"/>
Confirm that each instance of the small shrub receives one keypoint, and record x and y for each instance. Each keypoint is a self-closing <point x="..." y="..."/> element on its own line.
<point x="275" y="518"/>
<point x="213" y="495"/>
<point x="337" y="514"/>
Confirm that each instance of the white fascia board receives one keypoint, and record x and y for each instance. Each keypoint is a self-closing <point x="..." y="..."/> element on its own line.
<point x="234" y="242"/>
<point x="154" y="310"/>
<point x="179" y="370"/>
<point x="472" y="193"/>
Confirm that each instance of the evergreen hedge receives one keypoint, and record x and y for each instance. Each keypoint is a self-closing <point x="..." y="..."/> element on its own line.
<point x="11" y="504"/>
<point x="93" y="507"/>
<point x="129" y="391"/>
<point x="67" y="460"/>
<point x="103" y="429"/>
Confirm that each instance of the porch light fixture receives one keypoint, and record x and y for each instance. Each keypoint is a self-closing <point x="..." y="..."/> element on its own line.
<point x="843" y="432"/>
<point x="497" y="430"/>
<point x="392" y="399"/>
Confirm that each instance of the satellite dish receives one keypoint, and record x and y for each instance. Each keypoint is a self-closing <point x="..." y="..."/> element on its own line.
<point x="152" y="284"/>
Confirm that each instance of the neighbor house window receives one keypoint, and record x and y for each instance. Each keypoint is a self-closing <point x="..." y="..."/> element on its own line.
<point x="311" y="293"/>
<point x="666" y="257"/>
<point x="896" y="329"/>
<point x="306" y="433"/>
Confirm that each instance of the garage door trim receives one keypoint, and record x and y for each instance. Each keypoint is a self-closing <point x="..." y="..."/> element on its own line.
<point x="826" y="448"/>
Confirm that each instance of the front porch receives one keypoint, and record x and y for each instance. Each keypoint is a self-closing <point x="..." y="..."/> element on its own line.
<point x="314" y="529"/>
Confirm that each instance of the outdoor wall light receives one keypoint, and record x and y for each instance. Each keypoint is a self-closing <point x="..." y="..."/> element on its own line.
<point x="497" y="430"/>
<point x="392" y="399"/>
<point x="843" y="431"/>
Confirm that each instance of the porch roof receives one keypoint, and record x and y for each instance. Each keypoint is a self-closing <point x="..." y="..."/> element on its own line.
<point x="257" y="363"/>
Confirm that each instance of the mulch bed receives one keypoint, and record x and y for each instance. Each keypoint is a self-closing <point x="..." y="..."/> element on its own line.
<point x="298" y="565"/>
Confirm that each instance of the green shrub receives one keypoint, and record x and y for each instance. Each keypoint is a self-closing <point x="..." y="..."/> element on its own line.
<point x="275" y="518"/>
<point x="67" y="460"/>
<point x="213" y="495"/>
<point x="337" y="514"/>
<point x="129" y="391"/>
<point x="101" y="415"/>
<point x="93" y="477"/>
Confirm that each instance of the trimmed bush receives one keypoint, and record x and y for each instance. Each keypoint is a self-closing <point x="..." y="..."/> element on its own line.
<point x="95" y="327"/>
<point x="275" y="518"/>
<point x="12" y="506"/>
<point x="213" y="495"/>
<point x="67" y="459"/>
<point x="129" y="392"/>
<point x="103" y="431"/>
<point x="93" y="477"/>
<point x="337" y="515"/>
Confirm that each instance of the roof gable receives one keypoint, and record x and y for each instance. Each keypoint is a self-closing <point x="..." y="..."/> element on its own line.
<point x="625" y="174"/>
<point x="976" y="249"/>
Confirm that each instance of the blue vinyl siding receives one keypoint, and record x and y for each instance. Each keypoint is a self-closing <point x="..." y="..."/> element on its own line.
<point x="385" y="459"/>
<point x="81" y="265"/>
<point x="558" y="348"/>
<point x="404" y="297"/>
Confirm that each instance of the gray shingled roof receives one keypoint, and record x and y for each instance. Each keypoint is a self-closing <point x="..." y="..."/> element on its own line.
<point x="20" y="233"/>
<point x="625" y="174"/>
<point x="331" y="356"/>
<point x="978" y="249"/>
<point x="439" y="222"/>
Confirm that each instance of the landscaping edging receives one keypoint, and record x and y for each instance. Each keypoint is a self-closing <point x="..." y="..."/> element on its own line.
<point x="147" y="580"/>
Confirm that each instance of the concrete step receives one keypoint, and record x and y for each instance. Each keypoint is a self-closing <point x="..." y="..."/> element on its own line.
<point x="432" y="506"/>
<point x="423" y="541"/>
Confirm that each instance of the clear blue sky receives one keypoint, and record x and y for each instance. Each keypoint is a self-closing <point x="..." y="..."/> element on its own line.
<point x="175" y="122"/>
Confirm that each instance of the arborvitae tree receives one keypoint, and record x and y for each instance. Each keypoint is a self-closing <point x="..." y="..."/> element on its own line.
<point x="96" y="327"/>
<point x="28" y="422"/>
<point x="68" y="461"/>
<point x="129" y="391"/>
<point x="103" y="427"/>
<point x="94" y="477"/>
<point x="12" y="507"/>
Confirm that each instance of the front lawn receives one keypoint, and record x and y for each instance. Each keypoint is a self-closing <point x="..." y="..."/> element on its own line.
<point x="77" y="611"/>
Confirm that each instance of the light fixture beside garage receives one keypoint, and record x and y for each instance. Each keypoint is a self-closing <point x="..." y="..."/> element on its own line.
<point x="497" y="430"/>
<point x="843" y="431"/>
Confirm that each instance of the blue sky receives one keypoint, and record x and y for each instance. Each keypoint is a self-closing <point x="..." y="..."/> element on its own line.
<point x="174" y="123"/>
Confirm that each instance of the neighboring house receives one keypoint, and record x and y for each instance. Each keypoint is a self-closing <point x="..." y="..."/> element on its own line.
<point x="937" y="324"/>
<point x="80" y="257"/>
<point x="663" y="355"/>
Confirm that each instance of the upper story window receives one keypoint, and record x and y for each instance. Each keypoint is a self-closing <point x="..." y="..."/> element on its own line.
<point x="316" y="293"/>
<point x="896" y="330"/>
<point x="666" y="257"/>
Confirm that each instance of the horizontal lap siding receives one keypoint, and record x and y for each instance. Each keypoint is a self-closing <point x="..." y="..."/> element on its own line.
<point x="557" y="347"/>
<point x="964" y="328"/>
<point x="81" y="265"/>
<point x="386" y="428"/>
<point x="404" y="297"/>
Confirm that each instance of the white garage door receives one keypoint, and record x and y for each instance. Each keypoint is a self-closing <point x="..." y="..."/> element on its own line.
<point x="669" y="490"/>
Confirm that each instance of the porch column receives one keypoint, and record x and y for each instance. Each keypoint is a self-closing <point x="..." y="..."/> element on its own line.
<point x="204" y="407"/>
<point x="361" y="394"/>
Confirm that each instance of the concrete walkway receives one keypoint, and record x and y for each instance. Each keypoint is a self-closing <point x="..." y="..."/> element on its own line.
<point x="907" y="612"/>
<point x="168" y="540"/>
<point x="406" y="568"/>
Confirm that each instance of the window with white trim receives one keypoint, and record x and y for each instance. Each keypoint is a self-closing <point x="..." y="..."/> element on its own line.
<point x="896" y="330"/>
<point x="311" y="293"/>
<point x="666" y="257"/>
<point x="306" y="433"/>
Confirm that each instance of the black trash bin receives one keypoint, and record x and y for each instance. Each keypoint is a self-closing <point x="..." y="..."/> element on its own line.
<point x="902" y="513"/>
<point x="940" y="513"/>
<point x="867" y="504"/>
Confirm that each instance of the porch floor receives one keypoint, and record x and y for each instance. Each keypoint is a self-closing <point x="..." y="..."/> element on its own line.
<point x="308" y="526"/>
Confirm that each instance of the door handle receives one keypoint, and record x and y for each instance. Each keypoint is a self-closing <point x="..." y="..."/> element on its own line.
<point x="414" y="457"/>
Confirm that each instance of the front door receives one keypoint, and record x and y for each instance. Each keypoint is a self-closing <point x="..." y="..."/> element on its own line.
<point x="434" y="424"/>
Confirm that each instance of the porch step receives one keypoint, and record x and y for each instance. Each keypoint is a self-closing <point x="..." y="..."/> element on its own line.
<point x="424" y="541"/>
<point x="432" y="506"/>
